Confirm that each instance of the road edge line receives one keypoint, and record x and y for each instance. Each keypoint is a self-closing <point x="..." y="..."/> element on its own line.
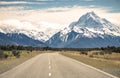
<point x="92" y="67"/>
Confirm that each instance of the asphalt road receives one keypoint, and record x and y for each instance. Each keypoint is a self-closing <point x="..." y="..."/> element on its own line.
<point x="53" y="65"/>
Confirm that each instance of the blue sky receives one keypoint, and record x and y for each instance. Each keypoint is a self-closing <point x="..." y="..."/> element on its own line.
<point x="47" y="10"/>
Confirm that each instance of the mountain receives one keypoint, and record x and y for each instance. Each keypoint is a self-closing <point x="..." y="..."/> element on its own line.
<point x="18" y="39"/>
<point x="33" y="30"/>
<point x="89" y="31"/>
<point x="27" y="28"/>
<point x="4" y="40"/>
<point x="17" y="32"/>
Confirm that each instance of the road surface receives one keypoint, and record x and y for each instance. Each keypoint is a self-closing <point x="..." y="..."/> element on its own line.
<point x="53" y="65"/>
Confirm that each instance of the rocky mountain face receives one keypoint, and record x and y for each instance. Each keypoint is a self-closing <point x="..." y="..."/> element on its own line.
<point x="19" y="39"/>
<point x="89" y="31"/>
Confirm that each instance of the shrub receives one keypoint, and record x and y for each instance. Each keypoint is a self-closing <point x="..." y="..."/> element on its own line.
<point x="1" y="54"/>
<point x="83" y="52"/>
<point x="5" y="56"/>
<point x="101" y="53"/>
<point x="95" y="53"/>
<point x="91" y="55"/>
<point x="28" y="52"/>
<point x="16" y="53"/>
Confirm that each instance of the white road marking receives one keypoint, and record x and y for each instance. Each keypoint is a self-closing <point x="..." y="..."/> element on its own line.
<point x="50" y="74"/>
<point x="49" y="67"/>
<point x="49" y="63"/>
<point x="49" y="60"/>
<point x="93" y="68"/>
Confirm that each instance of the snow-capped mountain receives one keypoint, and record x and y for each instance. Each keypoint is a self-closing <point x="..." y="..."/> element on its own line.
<point x="41" y="36"/>
<point x="88" y="32"/>
<point x="35" y="31"/>
<point x="95" y="24"/>
<point x="19" y="39"/>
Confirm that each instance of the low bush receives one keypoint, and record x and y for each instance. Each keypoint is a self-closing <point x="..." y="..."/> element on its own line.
<point x="1" y="54"/>
<point x="90" y="55"/>
<point x="84" y="52"/>
<point x="16" y="53"/>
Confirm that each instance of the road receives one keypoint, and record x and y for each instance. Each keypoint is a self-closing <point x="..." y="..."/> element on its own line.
<point x="53" y="65"/>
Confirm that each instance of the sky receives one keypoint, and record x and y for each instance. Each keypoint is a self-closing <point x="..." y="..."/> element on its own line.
<point x="61" y="12"/>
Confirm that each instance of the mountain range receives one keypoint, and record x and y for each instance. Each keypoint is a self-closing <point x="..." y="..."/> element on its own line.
<point x="19" y="39"/>
<point x="89" y="31"/>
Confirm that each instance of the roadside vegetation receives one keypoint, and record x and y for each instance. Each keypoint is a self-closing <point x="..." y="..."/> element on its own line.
<point x="106" y="59"/>
<point x="13" y="55"/>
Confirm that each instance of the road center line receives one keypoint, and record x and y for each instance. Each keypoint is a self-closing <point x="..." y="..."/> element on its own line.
<point x="49" y="67"/>
<point x="48" y="61"/>
<point x="50" y="74"/>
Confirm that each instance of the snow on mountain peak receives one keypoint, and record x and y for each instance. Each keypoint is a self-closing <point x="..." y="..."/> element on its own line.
<point x="89" y="15"/>
<point x="33" y="30"/>
<point x="90" y="19"/>
<point x="96" y="24"/>
<point x="89" y="31"/>
<point x="90" y="25"/>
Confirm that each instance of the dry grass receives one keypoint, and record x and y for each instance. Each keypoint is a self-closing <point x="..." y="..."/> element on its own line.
<point x="102" y="55"/>
<point x="108" y="62"/>
<point x="6" y="64"/>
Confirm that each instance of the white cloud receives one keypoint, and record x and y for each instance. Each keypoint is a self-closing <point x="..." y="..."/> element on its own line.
<point x="44" y="0"/>
<point x="18" y="2"/>
<point x="89" y="0"/>
<point x="61" y="15"/>
<point x="13" y="25"/>
<point x="14" y="2"/>
<point x="16" y="24"/>
<point x="92" y="6"/>
<point x="16" y="8"/>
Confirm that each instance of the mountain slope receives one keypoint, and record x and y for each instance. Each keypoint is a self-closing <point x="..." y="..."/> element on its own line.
<point x="4" y="40"/>
<point x="18" y="39"/>
<point x="88" y="32"/>
<point x="33" y="30"/>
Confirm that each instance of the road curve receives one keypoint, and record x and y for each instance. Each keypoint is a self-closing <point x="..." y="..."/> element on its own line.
<point x="53" y="65"/>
